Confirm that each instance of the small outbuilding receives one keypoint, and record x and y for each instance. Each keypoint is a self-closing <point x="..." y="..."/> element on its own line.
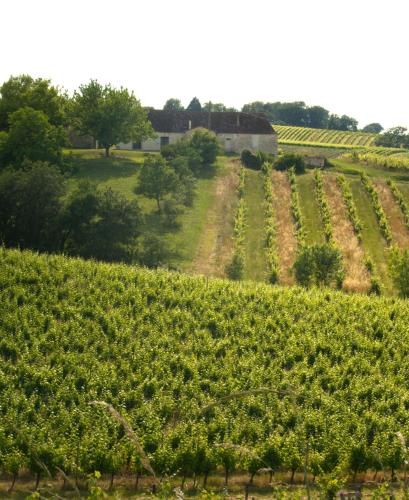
<point x="235" y="130"/>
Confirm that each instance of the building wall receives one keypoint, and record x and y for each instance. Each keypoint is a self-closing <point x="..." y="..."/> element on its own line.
<point x="153" y="144"/>
<point x="231" y="143"/>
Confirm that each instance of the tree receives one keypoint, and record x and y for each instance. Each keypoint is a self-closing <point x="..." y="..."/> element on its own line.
<point x="30" y="207"/>
<point x="101" y="224"/>
<point x="194" y="105"/>
<point x="110" y="115"/>
<point x="173" y="104"/>
<point x="399" y="267"/>
<point x="317" y="117"/>
<point x="343" y="122"/>
<point x="206" y="144"/>
<point x="23" y="91"/>
<point x="373" y="128"/>
<point x="396" y="137"/>
<point x="156" y="179"/>
<point x="319" y="265"/>
<point x="217" y="107"/>
<point x="31" y="136"/>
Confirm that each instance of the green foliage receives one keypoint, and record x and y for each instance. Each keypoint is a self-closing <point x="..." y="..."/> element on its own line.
<point x="380" y="214"/>
<point x="23" y="91"/>
<point x="173" y="104"/>
<point x="295" y="208"/>
<point x="100" y="224"/>
<point x="235" y="268"/>
<point x="399" y="268"/>
<point x="396" y="137"/>
<point x="350" y="205"/>
<point x="109" y="115"/>
<point x="392" y="163"/>
<point x="31" y="137"/>
<point x="206" y="144"/>
<point x="31" y="206"/>
<point x="373" y="128"/>
<point x="194" y="105"/>
<point x="161" y="346"/>
<point x="156" y="179"/>
<point x="400" y="200"/>
<point x="290" y="160"/>
<point x="323" y="206"/>
<point x="271" y="227"/>
<point x="319" y="265"/>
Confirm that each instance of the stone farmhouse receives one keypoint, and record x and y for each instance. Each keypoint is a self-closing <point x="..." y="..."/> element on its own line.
<point x="236" y="131"/>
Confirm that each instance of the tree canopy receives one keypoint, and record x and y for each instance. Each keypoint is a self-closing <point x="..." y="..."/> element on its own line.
<point x="373" y="128"/>
<point x="194" y="105"/>
<point x="24" y="91"/>
<point x="31" y="137"/>
<point x="110" y="115"/>
<point x="173" y="104"/>
<point x="396" y="137"/>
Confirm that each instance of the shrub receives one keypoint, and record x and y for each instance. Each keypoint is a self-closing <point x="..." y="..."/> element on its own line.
<point x="399" y="268"/>
<point x="290" y="160"/>
<point x="319" y="265"/>
<point x="250" y="160"/>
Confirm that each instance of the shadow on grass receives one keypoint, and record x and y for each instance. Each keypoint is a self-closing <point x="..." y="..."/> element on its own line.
<point x="103" y="169"/>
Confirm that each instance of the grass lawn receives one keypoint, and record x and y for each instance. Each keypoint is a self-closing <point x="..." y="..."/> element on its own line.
<point x="255" y="265"/>
<point x="372" y="240"/>
<point x="310" y="209"/>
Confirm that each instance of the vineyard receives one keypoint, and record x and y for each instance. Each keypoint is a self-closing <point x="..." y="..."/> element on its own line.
<point x="209" y="375"/>
<point x="325" y="137"/>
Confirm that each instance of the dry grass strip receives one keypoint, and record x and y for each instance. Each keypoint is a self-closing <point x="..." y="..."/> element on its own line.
<point x="400" y="233"/>
<point x="216" y="242"/>
<point x="356" y="277"/>
<point x="286" y="241"/>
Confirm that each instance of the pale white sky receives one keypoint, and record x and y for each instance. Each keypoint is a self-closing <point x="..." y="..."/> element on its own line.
<point x="350" y="56"/>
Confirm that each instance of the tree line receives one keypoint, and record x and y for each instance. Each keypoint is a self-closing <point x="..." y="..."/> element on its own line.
<point x="296" y="114"/>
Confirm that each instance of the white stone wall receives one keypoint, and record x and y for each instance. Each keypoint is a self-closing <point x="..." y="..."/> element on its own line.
<point x="231" y="143"/>
<point x="256" y="142"/>
<point x="153" y="144"/>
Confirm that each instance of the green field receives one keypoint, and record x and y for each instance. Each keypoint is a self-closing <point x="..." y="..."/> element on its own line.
<point x="160" y="347"/>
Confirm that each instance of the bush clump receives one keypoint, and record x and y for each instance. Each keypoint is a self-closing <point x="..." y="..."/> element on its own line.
<point x="290" y="160"/>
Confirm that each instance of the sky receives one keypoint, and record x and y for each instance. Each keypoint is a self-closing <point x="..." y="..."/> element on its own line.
<point x="350" y="56"/>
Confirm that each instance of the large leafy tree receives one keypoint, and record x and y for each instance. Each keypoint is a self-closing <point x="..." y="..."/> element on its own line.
<point x="396" y="137"/>
<point x="373" y="128"/>
<point x="173" y="104"/>
<point x="24" y="91"/>
<point x="31" y="137"/>
<point x="110" y="115"/>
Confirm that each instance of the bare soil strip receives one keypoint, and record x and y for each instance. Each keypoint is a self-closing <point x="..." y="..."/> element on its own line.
<point x="216" y="242"/>
<point x="286" y="241"/>
<point x="400" y="233"/>
<point x="356" y="277"/>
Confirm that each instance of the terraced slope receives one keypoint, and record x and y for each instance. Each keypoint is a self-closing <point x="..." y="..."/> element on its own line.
<point x="322" y="136"/>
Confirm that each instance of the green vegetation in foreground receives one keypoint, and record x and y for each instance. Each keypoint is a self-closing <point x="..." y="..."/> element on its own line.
<point x="255" y="256"/>
<point x="120" y="172"/>
<point x="157" y="345"/>
<point x="372" y="240"/>
<point x="314" y="231"/>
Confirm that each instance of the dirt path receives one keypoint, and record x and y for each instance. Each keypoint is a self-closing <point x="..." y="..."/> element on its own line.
<point x="357" y="278"/>
<point x="400" y="233"/>
<point x="216" y="243"/>
<point x="286" y="242"/>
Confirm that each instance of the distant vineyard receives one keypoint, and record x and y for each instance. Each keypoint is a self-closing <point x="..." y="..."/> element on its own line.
<point x="325" y="137"/>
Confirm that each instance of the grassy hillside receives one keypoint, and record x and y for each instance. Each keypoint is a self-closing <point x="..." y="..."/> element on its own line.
<point x="161" y="347"/>
<point x="325" y="137"/>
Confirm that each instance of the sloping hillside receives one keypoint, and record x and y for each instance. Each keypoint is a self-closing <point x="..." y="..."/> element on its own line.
<point x="323" y="136"/>
<point x="160" y="347"/>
